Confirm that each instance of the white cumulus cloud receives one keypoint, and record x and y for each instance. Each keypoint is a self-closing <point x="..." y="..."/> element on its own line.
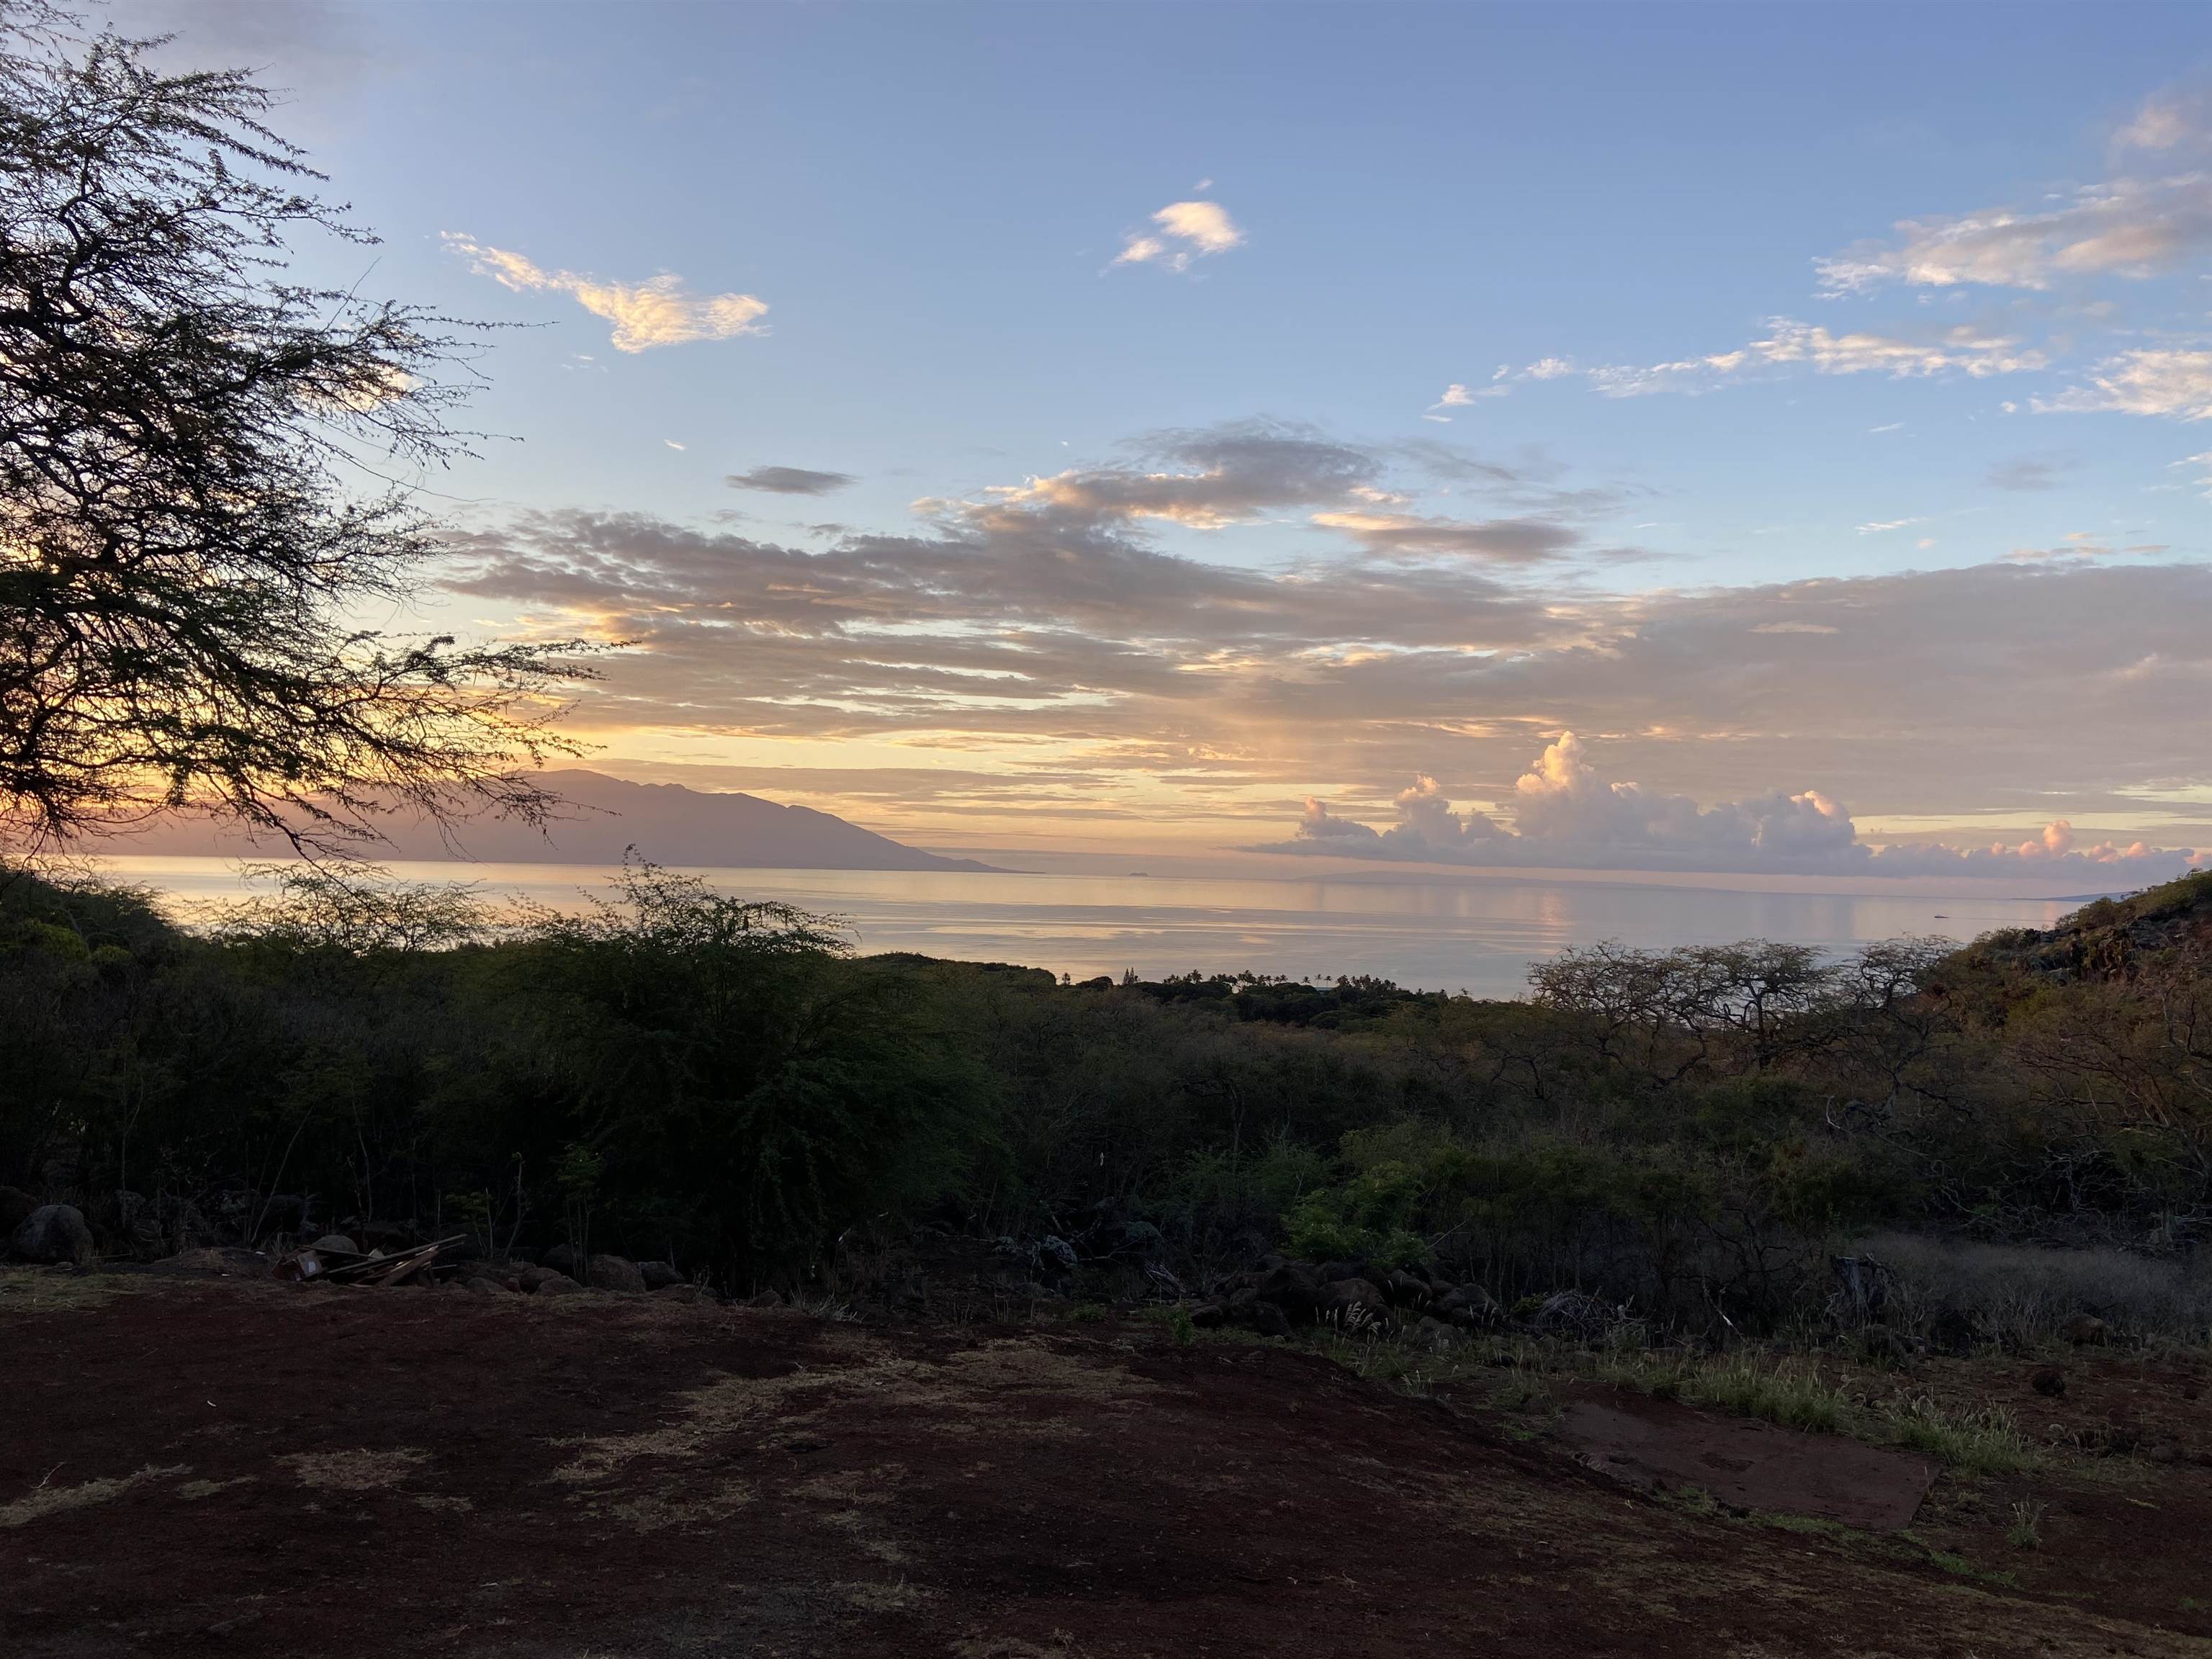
<point x="1187" y="231"/>
<point x="657" y="311"/>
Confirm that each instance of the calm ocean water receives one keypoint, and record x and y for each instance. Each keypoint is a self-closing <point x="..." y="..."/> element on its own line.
<point x="1479" y="936"/>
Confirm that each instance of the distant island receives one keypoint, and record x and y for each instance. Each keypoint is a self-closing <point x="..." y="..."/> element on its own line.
<point x="602" y="818"/>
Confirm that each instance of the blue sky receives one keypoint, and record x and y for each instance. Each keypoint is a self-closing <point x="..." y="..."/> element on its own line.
<point x="1609" y="225"/>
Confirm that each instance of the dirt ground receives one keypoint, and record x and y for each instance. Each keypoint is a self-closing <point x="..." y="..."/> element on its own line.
<point x="236" y="1467"/>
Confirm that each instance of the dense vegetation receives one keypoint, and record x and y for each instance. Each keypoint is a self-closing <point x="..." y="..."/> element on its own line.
<point x="675" y="1073"/>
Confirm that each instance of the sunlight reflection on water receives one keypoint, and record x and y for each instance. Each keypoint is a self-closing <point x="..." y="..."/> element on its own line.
<point x="1478" y="936"/>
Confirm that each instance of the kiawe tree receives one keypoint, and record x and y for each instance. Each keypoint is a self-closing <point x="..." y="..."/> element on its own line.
<point x="197" y="526"/>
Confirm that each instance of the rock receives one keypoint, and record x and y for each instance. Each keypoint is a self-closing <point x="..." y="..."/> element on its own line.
<point x="531" y="1278"/>
<point x="618" y="1273"/>
<point x="1574" y="1313"/>
<point x="2087" y="1330"/>
<point x="1407" y="1291"/>
<point x="1433" y="1335"/>
<point x="2164" y="1452"/>
<point x="335" y="1242"/>
<point x="1953" y="1331"/>
<point x="765" y="1299"/>
<point x="563" y="1258"/>
<point x="658" y="1275"/>
<point x="1349" y="1302"/>
<point x="1334" y="1272"/>
<point x="16" y="1207"/>
<point x="1269" y="1320"/>
<point x="479" y="1286"/>
<point x="1467" y="1306"/>
<point x="2048" y="1380"/>
<point x="683" y="1291"/>
<point x="1293" y="1287"/>
<point x="557" y="1285"/>
<point x="1209" y="1315"/>
<point x="55" y="1232"/>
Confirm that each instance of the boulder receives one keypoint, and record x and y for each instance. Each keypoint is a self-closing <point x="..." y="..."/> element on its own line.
<point x="1293" y="1287"/>
<point x="1467" y="1306"/>
<point x="335" y="1242"/>
<point x="1269" y="1320"/>
<point x="563" y="1259"/>
<point x="1405" y="1291"/>
<point x="765" y="1299"/>
<point x="658" y="1275"/>
<point x="531" y="1278"/>
<point x="1953" y="1331"/>
<point x="1434" y="1335"/>
<point x="557" y="1285"/>
<point x="1334" y="1272"/>
<point x="482" y="1287"/>
<point x="683" y="1291"/>
<point x="618" y="1273"/>
<point x="1209" y="1315"/>
<point x="1349" y="1301"/>
<point x="55" y="1232"/>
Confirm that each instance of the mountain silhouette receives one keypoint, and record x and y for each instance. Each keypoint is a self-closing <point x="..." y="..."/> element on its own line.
<point x="600" y="819"/>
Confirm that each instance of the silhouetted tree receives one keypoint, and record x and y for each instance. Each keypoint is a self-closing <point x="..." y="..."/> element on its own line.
<point x="191" y="519"/>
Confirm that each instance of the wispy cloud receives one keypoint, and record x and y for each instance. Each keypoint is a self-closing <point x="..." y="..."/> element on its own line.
<point x="657" y="311"/>
<point x="1884" y="527"/>
<point x="2132" y="226"/>
<point x="1185" y="231"/>
<point x="1789" y="344"/>
<point x="2163" y="381"/>
<point x="789" y="480"/>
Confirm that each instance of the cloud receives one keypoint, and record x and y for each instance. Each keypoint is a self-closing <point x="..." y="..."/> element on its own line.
<point x="2029" y="474"/>
<point x="2175" y="119"/>
<point x="1512" y="541"/>
<point x="1883" y="527"/>
<point x="1035" y="621"/>
<point x="1459" y="397"/>
<point x="654" y="312"/>
<point x="1789" y="343"/>
<point x="1567" y="815"/>
<point x="2159" y="381"/>
<point x="789" y="480"/>
<point x="2126" y="228"/>
<point x="1187" y="231"/>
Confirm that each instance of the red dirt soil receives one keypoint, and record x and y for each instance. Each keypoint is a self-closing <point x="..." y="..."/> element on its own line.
<point x="246" y="1469"/>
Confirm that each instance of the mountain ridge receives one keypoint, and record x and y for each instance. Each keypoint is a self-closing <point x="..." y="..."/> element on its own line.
<point x="601" y="819"/>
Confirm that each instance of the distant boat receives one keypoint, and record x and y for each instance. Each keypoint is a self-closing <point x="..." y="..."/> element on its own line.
<point x="1140" y="872"/>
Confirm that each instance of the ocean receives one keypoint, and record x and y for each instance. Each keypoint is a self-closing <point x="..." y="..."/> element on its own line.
<point x="1471" y="934"/>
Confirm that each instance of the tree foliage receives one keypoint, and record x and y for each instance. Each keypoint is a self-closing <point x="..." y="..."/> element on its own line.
<point x="192" y="513"/>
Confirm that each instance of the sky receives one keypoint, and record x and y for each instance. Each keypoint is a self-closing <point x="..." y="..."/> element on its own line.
<point x="1709" y="439"/>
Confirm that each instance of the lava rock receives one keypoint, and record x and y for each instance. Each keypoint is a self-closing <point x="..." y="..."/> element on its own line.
<point x="618" y="1273"/>
<point x="1347" y="1301"/>
<point x="563" y="1259"/>
<point x="335" y="1242"/>
<point x="658" y="1275"/>
<point x="55" y="1233"/>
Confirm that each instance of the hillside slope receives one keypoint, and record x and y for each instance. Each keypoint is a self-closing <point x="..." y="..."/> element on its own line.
<point x="604" y="816"/>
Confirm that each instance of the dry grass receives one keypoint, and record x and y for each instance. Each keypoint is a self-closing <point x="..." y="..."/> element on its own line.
<point x="45" y="1499"/>
<point x="356" y="1471"/>
<point x="47" y="1290"/>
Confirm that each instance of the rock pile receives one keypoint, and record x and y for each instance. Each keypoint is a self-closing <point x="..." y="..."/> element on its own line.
<point x="1279" y="1296"/>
